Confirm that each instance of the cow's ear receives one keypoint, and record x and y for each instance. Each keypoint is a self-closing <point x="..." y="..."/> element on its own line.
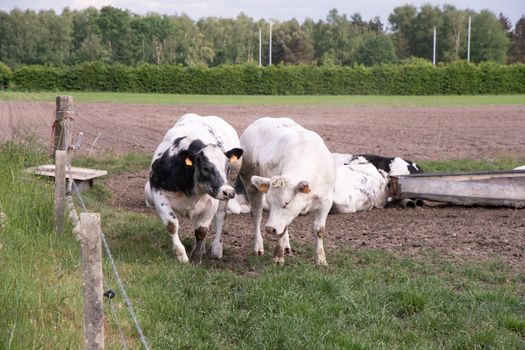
<point x="303" y="187"/>
<point x="234" y="154"/>
<point x="261" y="183"/>
<point x="185" y="156"/>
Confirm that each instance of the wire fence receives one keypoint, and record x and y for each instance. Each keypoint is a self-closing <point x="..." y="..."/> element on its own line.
<point x="109" y="293"/>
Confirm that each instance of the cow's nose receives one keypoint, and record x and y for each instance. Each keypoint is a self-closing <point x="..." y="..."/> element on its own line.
<point x="228" y="193"/>
<point x="271" y="230"/>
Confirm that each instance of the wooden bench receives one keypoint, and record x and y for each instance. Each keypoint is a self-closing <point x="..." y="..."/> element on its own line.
<point x="83" y="177"/>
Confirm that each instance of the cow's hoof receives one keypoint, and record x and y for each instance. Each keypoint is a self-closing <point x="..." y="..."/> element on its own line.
<point x="196" y="253"/>
<point x="183" y="258"/>
<point x="196" y="258"/>
<point x="279" y="260"/>
<point x="288" y="251"/>
<point x="321" y="262"/>
<point x="216" y="252"/>
<point x="259" y="251"/>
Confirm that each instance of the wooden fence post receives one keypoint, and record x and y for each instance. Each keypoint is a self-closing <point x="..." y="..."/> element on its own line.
<point x="63" y="122"/>
<point x="60" y="191"/>
<point x="92" y="281"/>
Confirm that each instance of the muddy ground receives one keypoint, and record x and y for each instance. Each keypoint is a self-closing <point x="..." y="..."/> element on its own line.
<point x="418" y="133"/>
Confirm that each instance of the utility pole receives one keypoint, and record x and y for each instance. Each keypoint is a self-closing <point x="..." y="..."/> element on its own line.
<point x="260" y="47"/>
<point x="434" y="49"/>
<point x="270" y="48"/>
<point x="468" y="40"/>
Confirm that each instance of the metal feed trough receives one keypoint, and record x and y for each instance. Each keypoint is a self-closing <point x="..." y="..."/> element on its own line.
<point x="489" y="188"/>
<point x="83" y="177"/>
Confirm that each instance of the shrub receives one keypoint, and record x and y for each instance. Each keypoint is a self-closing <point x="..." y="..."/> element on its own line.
<point x="411" y="77"/>
<point x="5" y="75"/>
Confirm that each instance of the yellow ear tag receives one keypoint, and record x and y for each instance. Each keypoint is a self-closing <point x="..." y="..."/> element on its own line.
<point x="233" y="158"/>
<point x="188" y="161"/>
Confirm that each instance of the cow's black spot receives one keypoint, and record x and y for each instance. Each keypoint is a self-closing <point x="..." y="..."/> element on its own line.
<point x="177" y="141"/>
<point x="413" y="169"/>
<point x="379" y="162"/>
<point x="239" y="187"/>
<point x="171" y="173"/>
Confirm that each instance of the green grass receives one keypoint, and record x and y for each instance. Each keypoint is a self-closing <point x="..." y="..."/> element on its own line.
<point x="134" y="98"/>
<point x="436" y="166"/>
<point x="114" y="163"/>
<point x="365" y="299"/>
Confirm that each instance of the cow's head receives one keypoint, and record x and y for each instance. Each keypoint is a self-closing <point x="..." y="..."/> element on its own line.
<point x="213" y="169"/>
<point x="286" y="200"/>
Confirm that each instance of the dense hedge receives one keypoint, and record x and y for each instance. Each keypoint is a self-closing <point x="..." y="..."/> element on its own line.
<point x="412" y="78"/>
<point x="5" y="75"/>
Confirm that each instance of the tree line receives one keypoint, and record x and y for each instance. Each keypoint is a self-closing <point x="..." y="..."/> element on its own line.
<point x="112" y="35"/>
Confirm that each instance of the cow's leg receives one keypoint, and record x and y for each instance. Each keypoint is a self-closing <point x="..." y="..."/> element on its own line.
<point x="286" y="243"/>
<point x="168" y="217"/>
<point x="278" y="254"/>
<point x="255" y="198"/>
<point x="319" y="231"/>
<point x="201" y="221"/>
<point x="218" y="220"/>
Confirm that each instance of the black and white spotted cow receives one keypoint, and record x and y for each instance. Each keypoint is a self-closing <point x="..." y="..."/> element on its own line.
<point x="362" y="180"/>
<point x="192" y="174"/>
<point x="393" y="166"/>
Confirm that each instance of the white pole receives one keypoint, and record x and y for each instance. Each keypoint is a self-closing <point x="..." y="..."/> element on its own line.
<point x="434" y="49"/>
<point x="260" y="47"/>
<point x="468" y="41"/>
<point x="270" y="48"/>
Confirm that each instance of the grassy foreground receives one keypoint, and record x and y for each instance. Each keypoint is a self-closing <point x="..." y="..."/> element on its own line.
<point x="114" y="97"/>
<point x="365" y="299"/>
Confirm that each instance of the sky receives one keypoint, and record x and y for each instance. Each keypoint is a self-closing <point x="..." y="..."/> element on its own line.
<point x="274" y="9"/>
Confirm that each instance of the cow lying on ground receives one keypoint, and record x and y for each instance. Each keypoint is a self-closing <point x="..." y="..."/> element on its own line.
<point x="360" y="187"/>
<point x="295" y="169"/>
<point x="362" y="180"/>
<point x="193" y="168"/>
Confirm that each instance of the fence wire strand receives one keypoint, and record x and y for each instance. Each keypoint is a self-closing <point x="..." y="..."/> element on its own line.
<point x="117" y="321"/>
<point x="115" y="272"/>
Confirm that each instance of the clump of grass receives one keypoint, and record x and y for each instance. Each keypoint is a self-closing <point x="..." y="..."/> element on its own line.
<point x="39" y="292"/>
<point x="115" y="163"/>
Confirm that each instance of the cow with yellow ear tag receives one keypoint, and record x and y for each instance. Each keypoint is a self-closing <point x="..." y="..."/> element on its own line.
<point x="192" y="174"/>
<point x="296" y="171"/>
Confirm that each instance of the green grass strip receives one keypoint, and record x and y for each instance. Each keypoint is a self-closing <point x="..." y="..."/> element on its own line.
<point x="171" y="99"/>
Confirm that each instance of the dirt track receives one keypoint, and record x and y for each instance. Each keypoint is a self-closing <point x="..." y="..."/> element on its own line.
<point x="415" y="133"/>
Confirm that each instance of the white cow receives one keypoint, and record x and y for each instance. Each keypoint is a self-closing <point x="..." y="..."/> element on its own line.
<point x="360" y="187"/>
<point x="295" y="169"/>
<point x="520" y="168"/>
<point x="193" y="168"/>
<point x="363" y="180"/>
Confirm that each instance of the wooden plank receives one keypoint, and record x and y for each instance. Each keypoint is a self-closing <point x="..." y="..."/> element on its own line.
<point x="77" y="173"/>
<point x="497" y="191"/>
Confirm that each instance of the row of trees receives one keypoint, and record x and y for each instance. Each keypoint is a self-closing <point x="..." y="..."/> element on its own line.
<point x="113" y="35"/>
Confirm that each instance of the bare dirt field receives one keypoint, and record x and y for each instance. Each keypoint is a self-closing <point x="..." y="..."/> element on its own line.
<point x="417" y="133"/>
